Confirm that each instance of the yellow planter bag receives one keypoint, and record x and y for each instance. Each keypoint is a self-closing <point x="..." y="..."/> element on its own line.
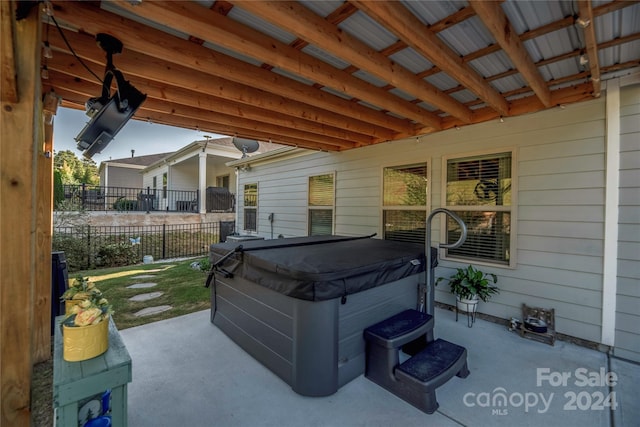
<point x="85" y="342"/>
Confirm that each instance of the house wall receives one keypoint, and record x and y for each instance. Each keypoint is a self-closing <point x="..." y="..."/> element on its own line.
<point x="627" y="337"/>
<point x="560" y="180"/>
<point x="147" y="181"/>
<point x="117" y="176"/>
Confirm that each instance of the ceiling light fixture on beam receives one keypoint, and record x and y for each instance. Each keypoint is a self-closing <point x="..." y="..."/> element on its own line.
<point x="109" y="113"/>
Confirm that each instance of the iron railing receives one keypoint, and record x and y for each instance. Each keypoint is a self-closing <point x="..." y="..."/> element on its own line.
<point x="88" y="247"/>
<point x="125" y="199"/>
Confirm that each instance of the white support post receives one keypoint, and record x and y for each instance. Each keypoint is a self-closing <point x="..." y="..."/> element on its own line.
<point x="612" y="177"/>
<point x="202" y="180"/>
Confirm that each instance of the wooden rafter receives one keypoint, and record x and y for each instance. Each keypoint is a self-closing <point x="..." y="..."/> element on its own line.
<point x="587" y="23"/>
<point x="329" y="108"/>
<point x="494" y="18"/>
<point x="176" y="101"/>
<point x="208" y="25"/>
<point x="415" y="34"/>
<point x="306" y="25"/>
<point x="201" y="60"/>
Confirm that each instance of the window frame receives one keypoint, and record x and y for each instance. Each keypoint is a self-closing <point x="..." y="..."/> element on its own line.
<point x="418" y="208"/>
<point x="253" y="208"/>
<point x="331" y="207"/>
<point x="511" y="209"/>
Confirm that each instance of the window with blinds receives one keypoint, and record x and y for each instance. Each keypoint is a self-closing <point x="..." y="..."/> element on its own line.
<point x="251" y="207"/>
<point x="321" y="204"/>
<point x="479" y="190"/>
<point x="404" y="200"/>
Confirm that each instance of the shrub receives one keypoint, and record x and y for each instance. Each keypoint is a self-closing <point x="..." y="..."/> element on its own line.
<point x="125" y="205"/>
<point x="76" y="251"/>
<point x="116" y="255"/>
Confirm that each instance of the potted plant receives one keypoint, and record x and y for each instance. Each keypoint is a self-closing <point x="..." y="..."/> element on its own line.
<point x="470" y="285"/>
<point x="85" y="329"/>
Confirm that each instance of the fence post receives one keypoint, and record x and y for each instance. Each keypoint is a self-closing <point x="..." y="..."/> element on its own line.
<point x="88" y="247"/>
<point x="148" y="198"/>
<point x="164" y="240"/>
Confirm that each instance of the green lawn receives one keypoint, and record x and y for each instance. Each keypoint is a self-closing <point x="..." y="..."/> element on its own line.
<point x="182" y="288"/>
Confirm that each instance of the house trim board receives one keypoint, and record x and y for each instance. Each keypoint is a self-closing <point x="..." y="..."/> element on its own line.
<point x="612" y="183"/>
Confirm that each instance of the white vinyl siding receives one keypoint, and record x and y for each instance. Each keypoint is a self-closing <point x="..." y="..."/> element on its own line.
<point x="627" y="336"/>
<point x="559" y="206"/>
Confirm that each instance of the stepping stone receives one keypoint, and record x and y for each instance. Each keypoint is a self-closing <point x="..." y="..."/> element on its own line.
<point x="142" y="285"/>
<point x="144" y="276"/>
<point x="152" y="310"/>
<point x="146" y="297"/>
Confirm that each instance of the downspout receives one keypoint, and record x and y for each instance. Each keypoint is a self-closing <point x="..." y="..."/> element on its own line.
<point x="611" y="210"/>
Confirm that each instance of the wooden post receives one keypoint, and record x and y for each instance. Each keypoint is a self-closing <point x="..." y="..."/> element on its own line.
<point x="19" y="132"/>
<point x="44" y="223"/>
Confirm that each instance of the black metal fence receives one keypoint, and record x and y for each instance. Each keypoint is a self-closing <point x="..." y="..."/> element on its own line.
<point x="87" y="247"/>
<point x="127" y="199"/>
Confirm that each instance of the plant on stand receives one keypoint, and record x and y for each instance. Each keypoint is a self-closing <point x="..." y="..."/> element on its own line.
<point x="470" y="285"/>
<point x="85" y="328"/>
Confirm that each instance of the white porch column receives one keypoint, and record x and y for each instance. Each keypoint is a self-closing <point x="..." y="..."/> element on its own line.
<point x="202" y="180"/>
<point x="612" y="184"/>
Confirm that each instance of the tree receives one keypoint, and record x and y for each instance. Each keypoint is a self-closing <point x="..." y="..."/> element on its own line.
<point x="75" y="171"/>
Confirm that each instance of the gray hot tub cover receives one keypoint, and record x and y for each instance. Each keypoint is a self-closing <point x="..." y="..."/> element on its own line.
<point x="321" y="267"/>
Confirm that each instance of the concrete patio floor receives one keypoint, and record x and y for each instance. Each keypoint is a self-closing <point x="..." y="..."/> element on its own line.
<point x="186" y="372"/>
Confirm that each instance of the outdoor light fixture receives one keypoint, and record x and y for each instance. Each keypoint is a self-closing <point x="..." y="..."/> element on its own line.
<point x="109" y="113"/>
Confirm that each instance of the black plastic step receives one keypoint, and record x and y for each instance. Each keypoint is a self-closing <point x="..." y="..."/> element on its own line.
<point x="399" y="329"/>
<point x="435" y="365"/>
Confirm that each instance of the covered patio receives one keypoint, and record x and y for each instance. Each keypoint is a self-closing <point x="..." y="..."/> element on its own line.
<point x="185" y="370"/>
<point x="336" y="77"/>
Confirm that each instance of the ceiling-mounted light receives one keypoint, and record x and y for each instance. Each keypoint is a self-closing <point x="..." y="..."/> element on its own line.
<point x="108" y="113"/>
<point x="46" y="50"/>
<point x="584" y="60"/>
<point x="44" y="73"/>
<point x="583" y="22"/>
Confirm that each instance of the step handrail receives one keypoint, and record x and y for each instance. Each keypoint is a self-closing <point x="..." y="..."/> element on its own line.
<point x="427" y="297"/>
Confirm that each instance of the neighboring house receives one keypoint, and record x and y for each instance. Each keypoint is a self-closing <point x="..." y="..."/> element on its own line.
<point x="551" y="199"/>
<point x="126" y="172"/>
<point x="199" y="167"/>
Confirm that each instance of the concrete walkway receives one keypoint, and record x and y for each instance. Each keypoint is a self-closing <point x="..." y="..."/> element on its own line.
<point x="186" y="372"/>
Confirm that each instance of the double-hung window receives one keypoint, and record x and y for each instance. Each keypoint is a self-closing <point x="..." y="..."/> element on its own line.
<point x="251" y="207"/>
<point x="479" y="189"/>
<point x="404" y="200"/>
<point x="321" y="204"/>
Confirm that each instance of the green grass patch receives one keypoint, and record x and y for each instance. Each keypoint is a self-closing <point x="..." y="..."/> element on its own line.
<point x="181" y="285"/>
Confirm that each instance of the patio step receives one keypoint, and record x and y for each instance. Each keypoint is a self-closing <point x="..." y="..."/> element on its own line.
<point x="416" y="379"/>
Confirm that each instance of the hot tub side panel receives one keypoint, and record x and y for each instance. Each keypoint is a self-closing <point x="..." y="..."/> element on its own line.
<point x="258" y="320"/>
<point x="363" y="310"/>
<point x="315" y="347"/>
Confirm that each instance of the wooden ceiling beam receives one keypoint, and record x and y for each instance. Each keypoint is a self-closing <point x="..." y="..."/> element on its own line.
<point x="496" y="21"/>
<point x="404" y="24"/>
<point x="529" y="104"/>
<point x="76" y="101"/>
<point x="287" y="94"/>
<point x="158" y="102"/>
<point x="308" y="26"/>
<point x="67" y="64"/>
<point x="587" y="23"/>
<point x="209" y="25"/>
<point x="8" y="73"/>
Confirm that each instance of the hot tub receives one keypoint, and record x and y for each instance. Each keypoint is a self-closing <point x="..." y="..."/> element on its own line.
<point x="299" y="305"/>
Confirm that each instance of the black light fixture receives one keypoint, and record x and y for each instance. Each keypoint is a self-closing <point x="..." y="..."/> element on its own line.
<point x="109" y="113"/>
